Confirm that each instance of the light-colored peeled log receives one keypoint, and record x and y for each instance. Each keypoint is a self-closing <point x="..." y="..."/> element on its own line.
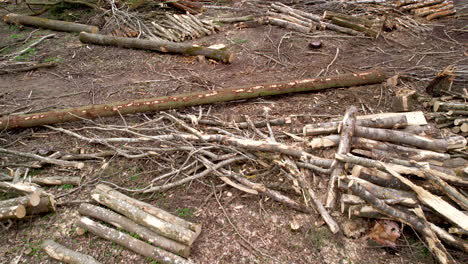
<point x="154" y="211"/>
<point x="421" y="4"/>
<point x="157" y="45"/>
<point x="32" y="199"/>
<point x="17" y="211"/>
<point x="144" y="233"/>
<point x="48" y="23"/>
<point x="446" y="106"/>
<point x="459" y="243"/>
<point x="169" y="230"/>
<point x="131" y="243"/>
<point x="441" y="13"/>
<point x="66" y="255"/>
<point x="56" y="180"/>
<point x="20" y="187"/>
<point x="424" y="11"/>
<point x="288" y="25"/>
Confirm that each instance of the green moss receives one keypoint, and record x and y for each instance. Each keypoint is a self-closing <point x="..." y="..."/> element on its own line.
<point x="16" y="36"/>
<point x="67" y="186"/>
<point x="185" y="212"/>
<point x="53" y="59"/>
<point x="27" y="55"/>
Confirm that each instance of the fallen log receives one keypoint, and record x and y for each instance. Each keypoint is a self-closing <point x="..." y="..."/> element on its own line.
<point x="148" y="208"/>
<point x="20" y="187"/>
<point x="17" y="211"/>
<point x="32" y="199"/>
<point x="48" y="23"/>
<point x="66" y="255"/>
<point x="287" y="25"/>
<point x="441" y="13"/>
<point x="46" y="205"/>
<point x="128" y="225"/>
<point x="424" y="11"/>
<point x="28" y="67"/>
<point x="357" y="27"/>
<point x="337" y="167"/>
<point x="378" y="177"/>
<point x="55" y="180"/>
<point x="421" y="4"/>
<point x="190" y="99"/>
<point x="355" y="19"/>
<point x="131" y="243"/>
<point x="157" y="45"/>
<point x="169" y="230"/>
<point x="446" y="106"/>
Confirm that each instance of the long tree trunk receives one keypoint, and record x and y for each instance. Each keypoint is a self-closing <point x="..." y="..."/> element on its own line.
<point x="190" y="99"/>
<point x="157" y="45"/>
<point x="49" y="23"/>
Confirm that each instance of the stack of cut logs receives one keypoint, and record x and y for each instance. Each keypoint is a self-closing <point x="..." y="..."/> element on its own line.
<point x="178" y="28"/>
<point x="171" y="236"/>
<point x="369" y="165"/>
<point x="451" y="113"/>
<point x="431" y="9"/>
<point x="304" y="22"/>
<point x="29" y="200"/>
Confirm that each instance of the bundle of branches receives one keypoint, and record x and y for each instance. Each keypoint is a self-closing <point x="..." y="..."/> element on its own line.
<point x="429" y="194"/>
<point x="431" y="9"/>
<point x="172" y="236"/>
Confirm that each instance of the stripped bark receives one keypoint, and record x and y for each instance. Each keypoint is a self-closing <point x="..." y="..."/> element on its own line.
<point x="66" y="255"/>
<point x="144" y="233"/>
<point x="49" y="23"/>
<point x="169" y="230"/>
<point x="347" y="131"/>
<point x="157" y="45"/>
<point x="131" y="243"/>
<point x="191" y="99"/>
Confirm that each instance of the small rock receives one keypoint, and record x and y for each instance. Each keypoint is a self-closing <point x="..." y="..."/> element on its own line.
<point x="315" y="44"/>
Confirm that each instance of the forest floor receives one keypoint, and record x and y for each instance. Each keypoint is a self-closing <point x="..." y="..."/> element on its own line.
<point x="90" y="74"/>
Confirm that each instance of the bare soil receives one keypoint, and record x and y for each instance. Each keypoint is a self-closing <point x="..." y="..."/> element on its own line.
<point x="89" y="74"/>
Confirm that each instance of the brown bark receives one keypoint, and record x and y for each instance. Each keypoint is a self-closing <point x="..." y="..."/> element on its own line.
<point x="16" y="211"/>
<point x="459" y="243"/>
<point x="188" y="6"/>
<point x="358" y="20"/>
<point x="424" y="11"/>
<point x="441" y="13"/>
<point x="157" y="45"/>
<point x="49" y="23"/>
<point x="131" y="243"/>
<point x="144" y="233"/>
<point x="148" y="208"/>
<point x="169" y="230"/>
<point x="378" y="177"/>
<point x="421" y="4"/>
<point x="401" y="3"/>
<point x="397" y="121"/>
<point x="32" y="199"/>
<point x="446" y="106"/>
<point x="191" y="99"/>
<point x="66" y="255"/>
<point x="347" y="131"/>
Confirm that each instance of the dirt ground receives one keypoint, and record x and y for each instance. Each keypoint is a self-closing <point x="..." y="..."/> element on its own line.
<point x="89" y="74"/>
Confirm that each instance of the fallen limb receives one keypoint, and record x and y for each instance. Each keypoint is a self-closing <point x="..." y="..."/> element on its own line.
<point x="47" y="160"/>
<point x="144" y="233"/>
<point x="28" y="67"/>
<point x="337" y="167"/>
<point x="157" y="45"/>
<point x="130" y="242"/>
<point x="56" y="180"/>
<point x="48" y="23"/>
<point x="66" y="255"/>
<point x="191" y="99"/>
<point x="21" y="52"/>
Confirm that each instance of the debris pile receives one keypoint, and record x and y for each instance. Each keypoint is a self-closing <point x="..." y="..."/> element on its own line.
<point x="430" y="9"/>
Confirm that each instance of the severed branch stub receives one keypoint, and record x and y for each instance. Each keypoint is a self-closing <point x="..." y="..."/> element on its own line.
<point x="66" y="255"/>
<point x="347" y="131"/>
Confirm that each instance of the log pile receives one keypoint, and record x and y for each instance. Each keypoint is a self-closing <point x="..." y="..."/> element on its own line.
<point x="450" y="112"/>
<point x="170" y="238"/>
<point x="24" y="199"/>
<point x="430" y="9"/>
<point x="429" y="197"/>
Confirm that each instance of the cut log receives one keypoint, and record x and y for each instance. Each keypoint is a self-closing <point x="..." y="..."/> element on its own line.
<point x="24" y="188"/>
<point x="56" y="180"/>
<point x="169" y="230"/>
<point x="148" y="208"/>
<point x="191" y="99"/>
<point x="442" y="82"/>
<point x="66" y="255"/>
<point x="421" y="4"/>
<point x="347" y="131"/>
<point x="424" y="11"/>
<point x="157" y="45"/>
<point x="435" y="202"/>
<point x="400" y="3"/>
<point x="459" y="243"/>
<point x="287" y="25"/>
<point x="16" y="211"/>
<point x="378" y="177"/>
<point x="397" y="121"/>
<point x="131" y="243"/>
<point x="46" y="205"/>
<point x="357" y="27"/>
<point x="144" y="233"/>
<point x="48" y="23"/>
<point x="446" y="106"/>
<point x="403" y="100"/>
<point x="354" y="19"/>
<point x="441" y="13"/>
<point x="32" y="199"/>
<point x="367" y="211"/>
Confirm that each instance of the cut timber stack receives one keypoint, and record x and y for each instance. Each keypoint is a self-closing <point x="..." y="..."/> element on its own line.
<point x="29" y="200"/>
<point x="450" y="113"/>
<point x="171" y="236"/>
<point x="388" y="172"/>
<point x="430" y="9"/>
